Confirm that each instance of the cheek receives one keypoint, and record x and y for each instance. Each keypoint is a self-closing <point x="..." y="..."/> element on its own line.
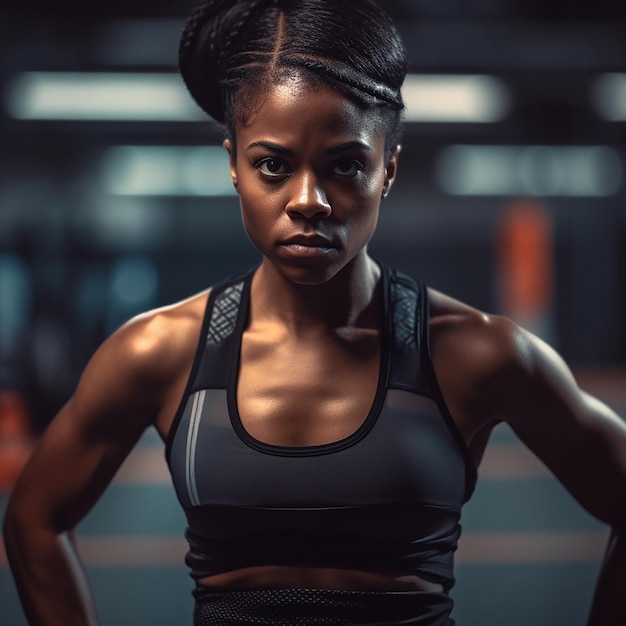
<point x="371" y="188"/>
<point x="363" y="221"/>
<point x="257" y="215"/>
<point x="251" y="218"/>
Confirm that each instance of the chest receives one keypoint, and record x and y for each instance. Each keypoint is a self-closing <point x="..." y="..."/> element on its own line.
<point x="361" y="408"/>
<point x="306" y="391"/>
<point x="403" y="453"/>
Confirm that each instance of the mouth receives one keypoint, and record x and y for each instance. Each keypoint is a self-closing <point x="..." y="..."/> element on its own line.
<point x="309" y="245"/>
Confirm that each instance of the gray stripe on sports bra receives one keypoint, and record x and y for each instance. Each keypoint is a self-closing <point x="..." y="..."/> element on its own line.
<point x="192" y="440"/>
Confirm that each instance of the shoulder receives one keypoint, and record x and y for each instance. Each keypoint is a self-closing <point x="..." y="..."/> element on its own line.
<point x="488" y="366"/>
<point x="140" y="362"/>
<point x="167" y="331"/>
<point x="489" y="342"/>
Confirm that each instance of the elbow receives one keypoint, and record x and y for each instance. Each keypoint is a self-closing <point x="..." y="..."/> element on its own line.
<point x="10" y="524"/>
<point x="15" y="528"/>
<point x="23" y="526"/>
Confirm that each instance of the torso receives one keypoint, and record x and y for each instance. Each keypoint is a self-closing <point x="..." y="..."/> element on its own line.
<point x="343" y="371"/>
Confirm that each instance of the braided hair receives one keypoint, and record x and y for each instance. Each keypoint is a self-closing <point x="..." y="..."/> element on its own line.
<point x="231" y="49"/>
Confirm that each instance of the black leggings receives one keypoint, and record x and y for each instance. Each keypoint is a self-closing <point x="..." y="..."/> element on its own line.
<point x="315" y="607"/>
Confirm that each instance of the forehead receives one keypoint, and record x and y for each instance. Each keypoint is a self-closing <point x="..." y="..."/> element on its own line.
<point x="298" y="107"/>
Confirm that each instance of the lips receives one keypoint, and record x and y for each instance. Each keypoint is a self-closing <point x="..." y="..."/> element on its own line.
<point x="308" y="245"/>
<point x="311" y="241"/>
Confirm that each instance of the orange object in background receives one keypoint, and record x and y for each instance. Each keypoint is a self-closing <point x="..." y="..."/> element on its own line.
<point x="16" y="437"/>
<point x="526" y="266"/>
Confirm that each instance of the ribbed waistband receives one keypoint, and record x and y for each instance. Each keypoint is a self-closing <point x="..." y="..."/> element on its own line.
<point x="321" y="607"/>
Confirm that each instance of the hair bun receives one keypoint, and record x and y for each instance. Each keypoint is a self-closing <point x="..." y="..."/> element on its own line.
<point x="197" y="58"/>
<point x="210" y="37"/>
<point x="350" y="44"/>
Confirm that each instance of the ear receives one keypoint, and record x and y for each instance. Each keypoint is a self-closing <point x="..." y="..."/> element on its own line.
<point x="232" y="162"/>
<point x="391" y="169"/>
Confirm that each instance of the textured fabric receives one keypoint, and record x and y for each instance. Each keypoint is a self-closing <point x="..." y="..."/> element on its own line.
<point x="224" y="314"/>
<point x="312" y="607"/>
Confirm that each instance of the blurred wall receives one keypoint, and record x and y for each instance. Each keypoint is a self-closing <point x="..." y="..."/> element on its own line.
<point x="511" y="196"/>
<point x="90" y="234"/>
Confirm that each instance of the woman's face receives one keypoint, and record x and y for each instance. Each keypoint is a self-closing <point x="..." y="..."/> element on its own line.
<point x="310" y="170"/>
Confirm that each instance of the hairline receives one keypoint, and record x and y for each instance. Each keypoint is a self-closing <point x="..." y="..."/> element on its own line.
<point x="252" y="90"/>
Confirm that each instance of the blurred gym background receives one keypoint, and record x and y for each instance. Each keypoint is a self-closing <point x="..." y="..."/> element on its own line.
<point x="115" y="198"/>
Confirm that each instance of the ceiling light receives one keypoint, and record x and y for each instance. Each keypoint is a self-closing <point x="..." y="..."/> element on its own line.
<point x="448" y="98"/>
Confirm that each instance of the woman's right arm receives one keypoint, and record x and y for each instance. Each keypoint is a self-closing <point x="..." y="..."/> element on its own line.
<point x="119" y="395"/>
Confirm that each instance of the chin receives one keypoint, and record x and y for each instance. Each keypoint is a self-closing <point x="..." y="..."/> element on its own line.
<point x="308" y="276"/>
<point x="311" y="279"/>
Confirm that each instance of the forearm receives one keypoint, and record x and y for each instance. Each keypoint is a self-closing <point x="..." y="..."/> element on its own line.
<point x="609" y="602"/>
<point x="49" y="577"/>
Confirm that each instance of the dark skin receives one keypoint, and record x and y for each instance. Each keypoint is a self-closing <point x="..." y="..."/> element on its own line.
<point x="310" y="168"/>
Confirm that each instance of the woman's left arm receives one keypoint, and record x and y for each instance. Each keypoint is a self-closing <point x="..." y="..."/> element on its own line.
<point x="490" y="370"/>
<point x="580" y="439"/>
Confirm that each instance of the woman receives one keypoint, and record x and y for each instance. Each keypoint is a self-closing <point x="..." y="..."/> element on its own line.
<point x="323" y="415"/>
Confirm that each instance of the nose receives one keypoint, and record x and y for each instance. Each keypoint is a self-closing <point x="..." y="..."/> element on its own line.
<point x="308" y="198"/>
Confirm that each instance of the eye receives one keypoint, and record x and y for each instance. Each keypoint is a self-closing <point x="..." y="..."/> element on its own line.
<point x="347" y="167"/>
<point x="271" y="166"/>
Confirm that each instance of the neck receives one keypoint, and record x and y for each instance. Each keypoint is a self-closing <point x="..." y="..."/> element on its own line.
<point x="347" y="300"/>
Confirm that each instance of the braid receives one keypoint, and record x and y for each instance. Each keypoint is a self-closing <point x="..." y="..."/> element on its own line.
<point x="192" y="25"/>
<point x="188" y="61"/>
<point x="351" y="79"/>
<point x="238" y="26"/>
<point x="209" y="41"/>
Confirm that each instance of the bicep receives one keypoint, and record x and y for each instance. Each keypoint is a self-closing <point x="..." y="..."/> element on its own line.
<point x="69" y="469"/>
<point x="579" y="438"/>
<point x="84" y="445"/>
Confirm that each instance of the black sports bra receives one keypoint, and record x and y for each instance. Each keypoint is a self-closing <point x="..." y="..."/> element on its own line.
<point x="387" y="497"/>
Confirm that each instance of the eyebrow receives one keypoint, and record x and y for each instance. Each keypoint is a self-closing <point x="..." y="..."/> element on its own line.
<point x="348" y="145"/>
<point x="342" y="147"/>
